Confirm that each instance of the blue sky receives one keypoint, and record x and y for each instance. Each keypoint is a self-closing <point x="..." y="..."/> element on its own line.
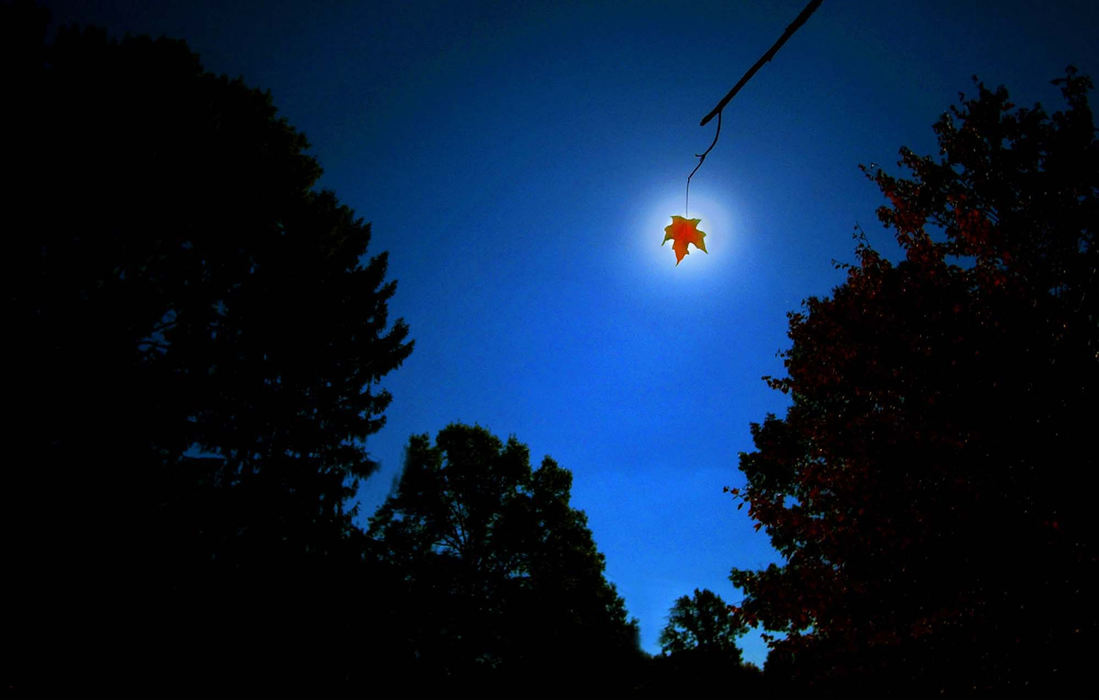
<point x="519" y="161"/>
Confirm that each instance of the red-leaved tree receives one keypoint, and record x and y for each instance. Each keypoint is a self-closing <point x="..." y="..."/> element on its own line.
<point x="930" y="486"/>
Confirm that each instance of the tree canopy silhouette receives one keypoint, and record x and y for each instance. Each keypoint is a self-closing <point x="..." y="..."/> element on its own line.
<point x="197" y="337"/>
<point x="929" y="487"/>
<point x="701" y="623"/>
<point x="700" y="657"/>
<point x="501" y="586"/>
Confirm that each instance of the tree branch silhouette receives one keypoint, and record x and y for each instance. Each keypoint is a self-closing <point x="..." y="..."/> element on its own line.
<point x="798" y="21"/>
<point x="716" y="111"/>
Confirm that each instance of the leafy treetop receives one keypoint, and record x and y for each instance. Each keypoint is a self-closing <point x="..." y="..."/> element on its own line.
<point x="926" y="486"/>
<point x="177" y="287"/>
<point x="500" y="573"/>
<point x="702" y="623"/>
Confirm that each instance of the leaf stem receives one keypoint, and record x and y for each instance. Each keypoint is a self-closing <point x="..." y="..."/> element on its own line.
<point x="701" y="158"/>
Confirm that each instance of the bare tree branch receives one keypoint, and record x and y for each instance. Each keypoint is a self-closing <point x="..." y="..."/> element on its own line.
<point x="798" y="21"/>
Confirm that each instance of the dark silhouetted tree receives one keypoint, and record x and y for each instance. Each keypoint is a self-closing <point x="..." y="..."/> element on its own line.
<point x="702" y="623"/>
<point x="700" y="656"/>
<point x="930" y="486"/>
<point x="195" y="339"/>
<point x="500" y="586"/>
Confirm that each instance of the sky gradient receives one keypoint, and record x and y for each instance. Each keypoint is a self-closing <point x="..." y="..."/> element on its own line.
<point x="520" y="160"/>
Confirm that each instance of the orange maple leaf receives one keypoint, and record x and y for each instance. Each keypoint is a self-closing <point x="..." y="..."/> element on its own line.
<point x="681" y="232"/>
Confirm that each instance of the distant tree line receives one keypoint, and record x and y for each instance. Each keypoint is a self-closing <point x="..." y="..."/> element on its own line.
<point x="196" y="336"/>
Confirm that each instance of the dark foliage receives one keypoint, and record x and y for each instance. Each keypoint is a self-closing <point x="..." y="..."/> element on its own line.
<point x="700" y="656"/>
<point x="175" y="287"/>
<point x="700" y="676"/>
<point x="497" y="585"/>
<point x="930" y="487"/>
<point x="702" y="624"/>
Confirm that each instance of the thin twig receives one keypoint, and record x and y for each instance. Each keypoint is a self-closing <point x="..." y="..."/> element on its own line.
<point x="701" y="158"/>
<point x="798" y="21"/>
